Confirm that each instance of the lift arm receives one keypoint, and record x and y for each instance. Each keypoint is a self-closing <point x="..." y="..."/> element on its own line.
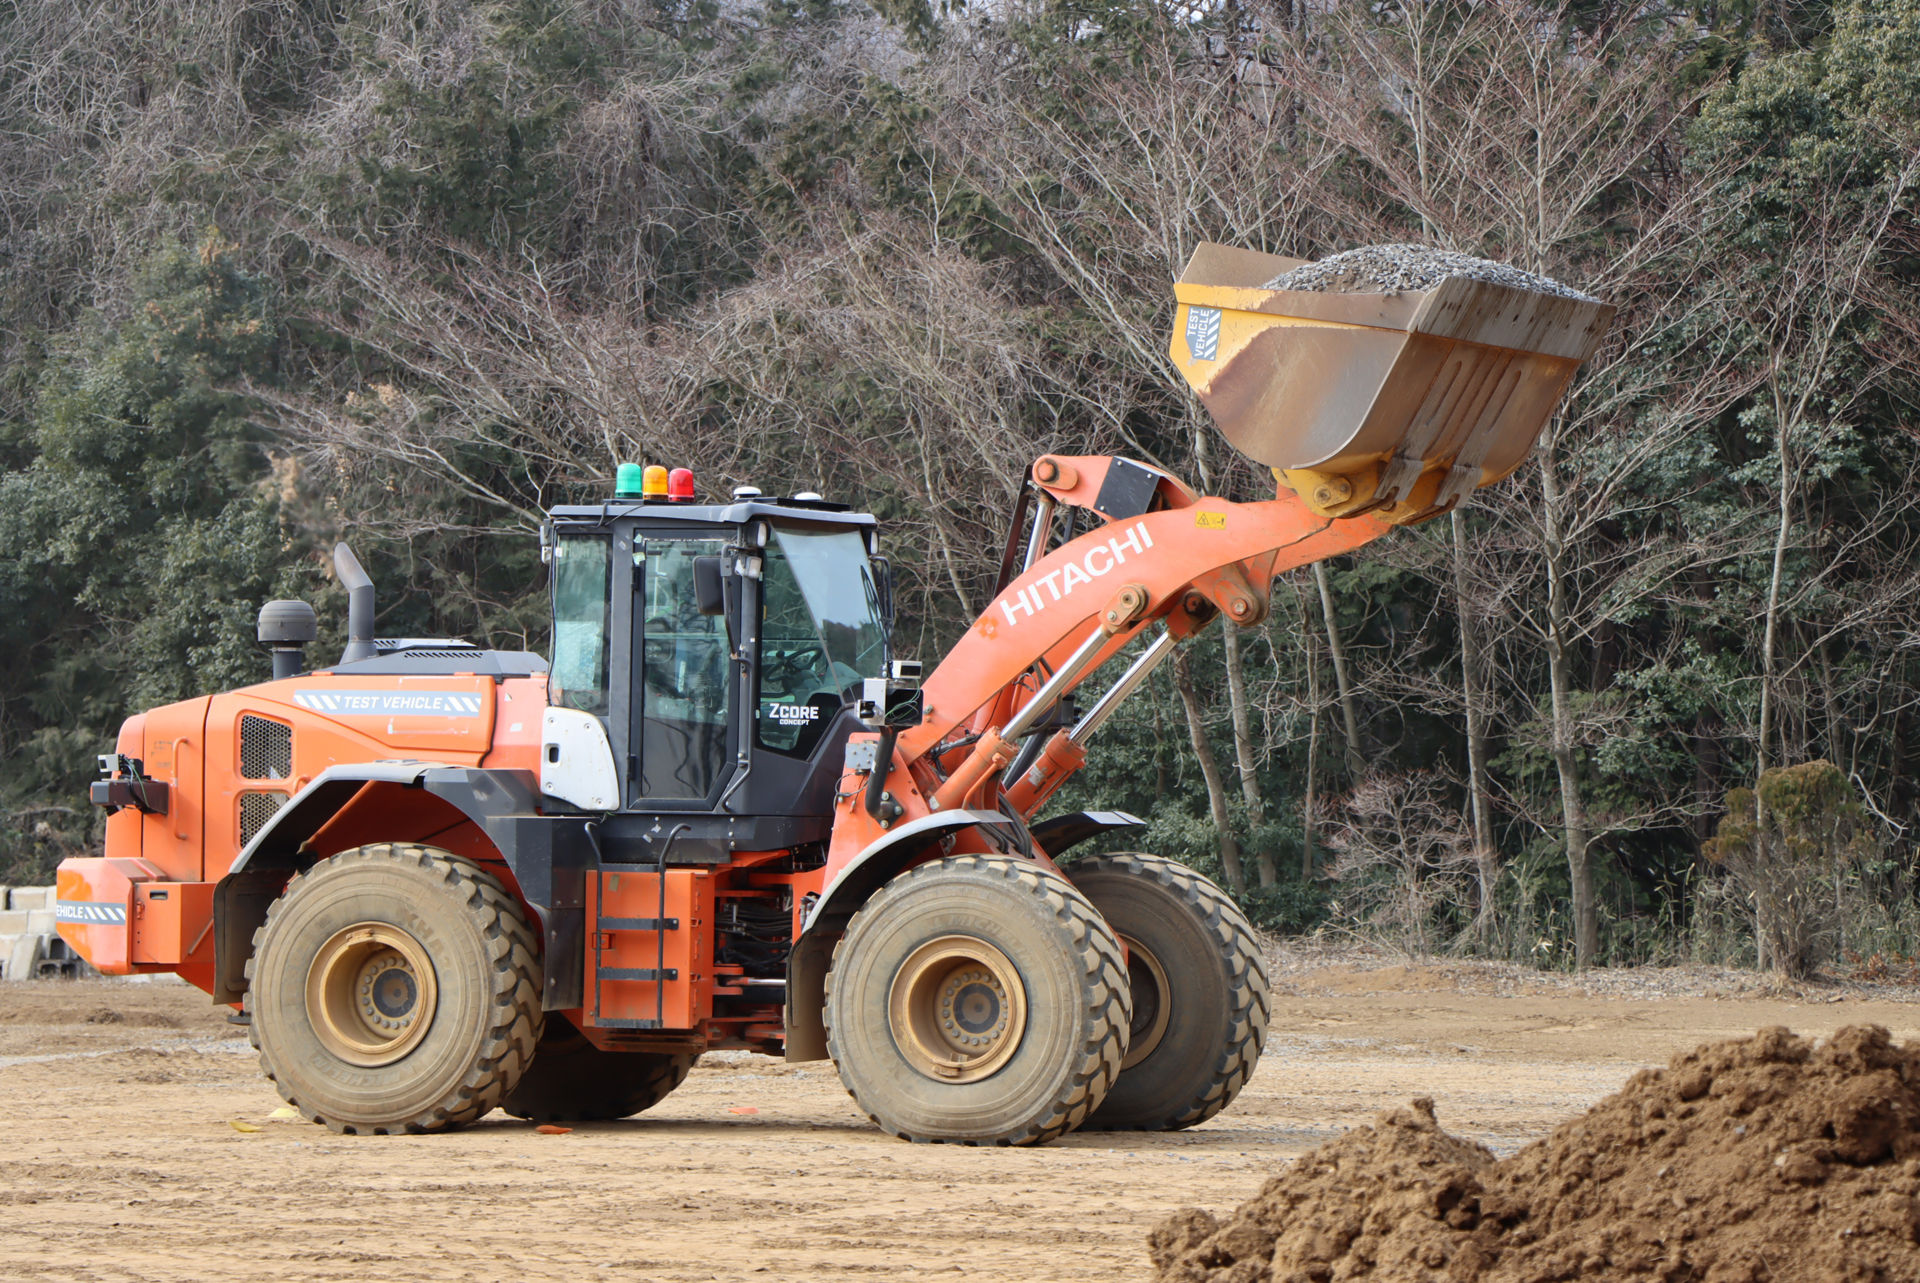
<point x="1075" y="607"/>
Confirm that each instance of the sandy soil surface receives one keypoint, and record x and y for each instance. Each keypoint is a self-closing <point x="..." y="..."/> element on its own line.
<point x="121" y="1161"/>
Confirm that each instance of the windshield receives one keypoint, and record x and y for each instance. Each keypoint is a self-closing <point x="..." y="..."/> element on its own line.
<point x="823" y="633"/>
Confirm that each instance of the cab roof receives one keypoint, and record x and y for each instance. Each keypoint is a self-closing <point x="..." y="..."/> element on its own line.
<point x="737" y="512"/>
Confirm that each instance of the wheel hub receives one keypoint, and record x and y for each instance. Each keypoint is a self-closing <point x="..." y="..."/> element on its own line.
<point x="957" y="1009"/>
<point x="371" y="993"/>
<point x="1151" y="1009"/>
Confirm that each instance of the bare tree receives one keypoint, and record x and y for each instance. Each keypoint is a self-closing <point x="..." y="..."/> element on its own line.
<point x="1400" y="851"/>
<point x="1513" y="133"/>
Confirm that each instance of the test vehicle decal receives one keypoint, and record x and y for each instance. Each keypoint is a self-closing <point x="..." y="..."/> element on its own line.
<point x="391" y="703"/>
<point x="794" y="714"/>
<point x="1097" y="561"/>
<point x="89" y="913"/>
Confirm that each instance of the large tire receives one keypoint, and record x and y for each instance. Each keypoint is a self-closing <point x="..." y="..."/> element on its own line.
<point x="394" y="988"/>
<point x="1200" y="996"/>
<point x="573" y="1081"/>
<point x="980" y="1000"/>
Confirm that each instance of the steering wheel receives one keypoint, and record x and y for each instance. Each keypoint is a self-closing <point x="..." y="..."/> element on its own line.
<point x="800" y="662"/>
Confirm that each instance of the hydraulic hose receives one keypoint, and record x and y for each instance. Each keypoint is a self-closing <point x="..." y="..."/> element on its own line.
<point x="877" y="778"/>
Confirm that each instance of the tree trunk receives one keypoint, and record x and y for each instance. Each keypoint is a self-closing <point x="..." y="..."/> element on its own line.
<point x="1770" y="635"/>
<point x="1350" y="723"/>
<point x="1210" y="770"/>
<point x="1486" y="857"/>
<point x="1244" y="756"/>
<point x="1313" y="760"/>
<point x="1159" y="755"/>
<point x="1586" y="912"/>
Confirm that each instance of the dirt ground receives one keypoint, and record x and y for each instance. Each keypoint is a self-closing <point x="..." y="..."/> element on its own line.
<point x="119" y="1160"/>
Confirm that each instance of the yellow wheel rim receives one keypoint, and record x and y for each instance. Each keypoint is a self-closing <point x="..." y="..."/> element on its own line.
<point x="1151" y="1007"/>
<point x="958" y="1009"/>
<point x="371" y="994"/>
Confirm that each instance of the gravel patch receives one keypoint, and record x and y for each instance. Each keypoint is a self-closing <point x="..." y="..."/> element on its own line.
<point x="1394" y="269"/>
<point x="1305" y="965"/>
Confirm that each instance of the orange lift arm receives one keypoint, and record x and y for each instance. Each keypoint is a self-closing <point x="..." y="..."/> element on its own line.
<point x="1075" y="607"/>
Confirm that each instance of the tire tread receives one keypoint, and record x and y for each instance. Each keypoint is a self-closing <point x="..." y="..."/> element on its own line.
<point x="510" y="1041"/>
<point x="1103" y="981"/>
<point x="1250" y="995"/>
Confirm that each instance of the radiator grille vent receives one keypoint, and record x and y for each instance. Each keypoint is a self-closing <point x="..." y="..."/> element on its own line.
<point x="266" y="749"/>
<point x="256" y="809"/>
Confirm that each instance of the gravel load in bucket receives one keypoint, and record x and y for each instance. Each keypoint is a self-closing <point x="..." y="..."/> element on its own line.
<point x="1767" y="1159"/>
<point x="1394" y="269"/>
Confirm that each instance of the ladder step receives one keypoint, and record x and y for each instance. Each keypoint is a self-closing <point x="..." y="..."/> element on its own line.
<point x="638" y="973"/>
<point x="620" y="1022"/>
<point x="639" y="924"/>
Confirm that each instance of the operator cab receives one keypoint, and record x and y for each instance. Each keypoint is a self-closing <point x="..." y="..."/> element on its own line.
<point x="723" y="648"/>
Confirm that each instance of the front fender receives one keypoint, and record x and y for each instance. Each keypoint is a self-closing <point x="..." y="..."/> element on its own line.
<point x="887" y="855"/>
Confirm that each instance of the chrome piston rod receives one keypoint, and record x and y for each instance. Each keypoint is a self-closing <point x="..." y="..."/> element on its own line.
<point x="1137" y="672"/>
<point x="1042" y="531"/>
<point x="1051" y="690"/>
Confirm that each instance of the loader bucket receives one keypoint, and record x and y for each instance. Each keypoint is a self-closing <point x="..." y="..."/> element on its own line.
<point x="1401" y="404"/>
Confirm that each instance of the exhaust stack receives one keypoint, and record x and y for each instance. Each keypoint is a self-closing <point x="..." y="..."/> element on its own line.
<point x="359" y="604"/>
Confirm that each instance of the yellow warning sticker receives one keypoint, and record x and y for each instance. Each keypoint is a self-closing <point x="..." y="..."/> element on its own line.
<point x="1210" y="520"/>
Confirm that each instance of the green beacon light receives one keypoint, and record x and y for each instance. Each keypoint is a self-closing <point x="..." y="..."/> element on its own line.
<point x="627" y="481"/>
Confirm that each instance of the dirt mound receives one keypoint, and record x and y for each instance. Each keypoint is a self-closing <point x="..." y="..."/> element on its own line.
<point x="1388" y="269"/>
<point x="1760" y="1160"/>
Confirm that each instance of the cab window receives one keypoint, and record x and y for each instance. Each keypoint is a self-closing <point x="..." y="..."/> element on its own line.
<point x="582" y="589"/>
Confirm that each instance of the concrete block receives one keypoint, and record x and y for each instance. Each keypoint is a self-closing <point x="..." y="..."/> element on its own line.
<point x="30" y="898"/>
<point x="41" y="922"/>
<point x="58" y="961"/>
<point x="5" y="891"/>
<point x="23" y="957"/>
<point x="12" y="923"/>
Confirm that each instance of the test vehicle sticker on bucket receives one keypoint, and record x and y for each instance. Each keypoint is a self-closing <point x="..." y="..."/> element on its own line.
<point x="1203" y="332"/>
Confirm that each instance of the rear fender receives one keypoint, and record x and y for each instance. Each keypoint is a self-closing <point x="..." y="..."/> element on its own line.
<point x="883" y="859"/>
<point x="490" y="815"/>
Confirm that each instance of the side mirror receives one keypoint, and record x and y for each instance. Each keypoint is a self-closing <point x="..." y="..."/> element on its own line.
<point x="708" y="591"/>
<point x="883" y="588"/>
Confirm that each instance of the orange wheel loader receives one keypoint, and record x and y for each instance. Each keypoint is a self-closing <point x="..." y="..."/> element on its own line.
<point x="434" y="880"/>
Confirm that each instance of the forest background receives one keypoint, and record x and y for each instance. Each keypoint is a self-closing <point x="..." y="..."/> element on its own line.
<point x="277" y="272"/>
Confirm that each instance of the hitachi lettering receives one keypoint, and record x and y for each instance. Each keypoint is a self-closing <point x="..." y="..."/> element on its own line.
<point x="1095" y="562"/>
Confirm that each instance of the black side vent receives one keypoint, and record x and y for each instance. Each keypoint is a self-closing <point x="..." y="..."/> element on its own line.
<point x="266" y="749"/>
<point x="256" y="809"/>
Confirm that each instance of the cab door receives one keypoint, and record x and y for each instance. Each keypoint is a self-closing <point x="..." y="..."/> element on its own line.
<point x="682" y="740"/>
